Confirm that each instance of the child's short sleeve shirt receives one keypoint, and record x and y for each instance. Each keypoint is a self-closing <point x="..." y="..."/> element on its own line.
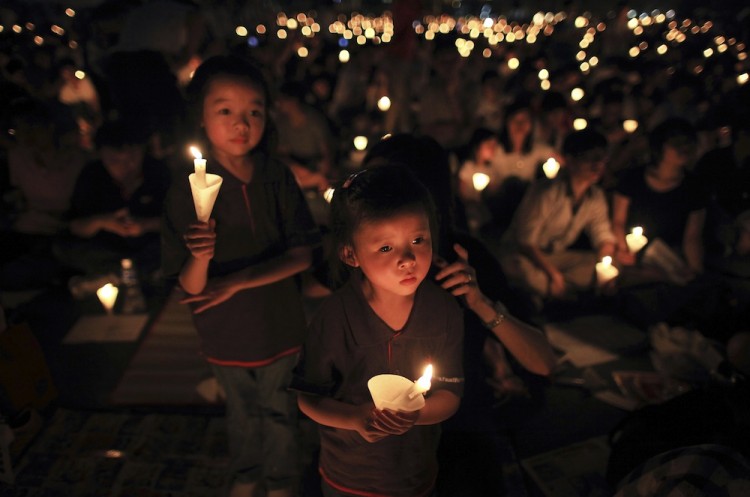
<point x="347" y="344"/>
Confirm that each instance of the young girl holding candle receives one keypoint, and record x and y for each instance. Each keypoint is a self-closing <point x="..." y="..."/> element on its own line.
<point x="239" y="270"/>
<point x="386" y="319"/>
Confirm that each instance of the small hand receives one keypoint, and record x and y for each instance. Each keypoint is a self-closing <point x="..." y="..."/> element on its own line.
<point x="217" y="290"/>
<point x="200" y="239"/>
<point x="365" y="423"/>
<point x="394" y="422"/>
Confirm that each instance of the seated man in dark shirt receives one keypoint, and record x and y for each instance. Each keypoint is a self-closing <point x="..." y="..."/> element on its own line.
<point x="116" y="206"/>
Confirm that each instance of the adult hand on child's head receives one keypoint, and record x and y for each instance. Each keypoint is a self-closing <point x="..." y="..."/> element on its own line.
<point x="200" y="239"/>
<point x="458" y="277"/>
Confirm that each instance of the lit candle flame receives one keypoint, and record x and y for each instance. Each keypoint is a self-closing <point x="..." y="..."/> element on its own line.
<point x="423" y="383"/>
<point x="196" y="153"/>
<point x="200" y="167"/>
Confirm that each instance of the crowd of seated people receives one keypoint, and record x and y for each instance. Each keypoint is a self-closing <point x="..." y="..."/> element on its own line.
<point x="683" y="146"/>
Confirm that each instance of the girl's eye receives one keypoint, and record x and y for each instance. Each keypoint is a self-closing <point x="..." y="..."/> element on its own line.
<point x="418" y="240"/>
<point x="224" y="112"/>
<point x="384" y="248"/>
<point x="257" y="113"/>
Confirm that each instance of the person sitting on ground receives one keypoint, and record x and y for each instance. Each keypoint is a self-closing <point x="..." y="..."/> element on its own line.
<point x="116" y="206"/>
<point x="516" y="163"/>
<point x="536" y="252"/>
<point x="664" y="199"/>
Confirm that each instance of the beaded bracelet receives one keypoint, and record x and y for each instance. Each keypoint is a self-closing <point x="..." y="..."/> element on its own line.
<point x="500" y="310"/>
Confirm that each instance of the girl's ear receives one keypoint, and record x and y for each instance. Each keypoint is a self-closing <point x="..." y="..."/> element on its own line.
<point x="347" y="256"/>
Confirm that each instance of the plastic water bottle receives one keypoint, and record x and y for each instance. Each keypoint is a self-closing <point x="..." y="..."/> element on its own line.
<point x="132" y="295"/>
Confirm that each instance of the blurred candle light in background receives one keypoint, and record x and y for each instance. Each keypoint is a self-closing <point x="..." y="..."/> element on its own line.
<point x="107" y="295"/>
<point x="360" y="142"/>
<point x="480" y="180"/>
<point x="630" y="125"/>
<point x="635" y="239"/>
<point x="551" y="167"/>
<point x="384" y="103"/>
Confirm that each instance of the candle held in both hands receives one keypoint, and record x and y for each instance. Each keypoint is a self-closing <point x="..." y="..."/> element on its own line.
<point x="635" y="240"/>
<point x="200" y="166"/>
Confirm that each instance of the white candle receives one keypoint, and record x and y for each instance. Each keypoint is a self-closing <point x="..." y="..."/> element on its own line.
<point x="107" y="296"/>
<point x="480" y="180"/>
<point x="636" y="240"/>
<point x="200" y="167"/>
<point x="423" y="383"/>
<point x="551" y="167"/>
<point x="605" y="271"/>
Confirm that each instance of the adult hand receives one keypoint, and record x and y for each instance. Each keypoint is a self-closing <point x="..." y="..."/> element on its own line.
<point x="458" y="277"/>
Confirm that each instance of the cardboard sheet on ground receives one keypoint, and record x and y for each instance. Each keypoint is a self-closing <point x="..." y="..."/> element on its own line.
<point x="590" y="340"/>
<point x="577" y="470"/>
<point x="99" y="329"/>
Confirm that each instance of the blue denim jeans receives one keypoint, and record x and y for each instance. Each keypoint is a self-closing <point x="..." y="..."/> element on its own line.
<point x="261" y="423"/>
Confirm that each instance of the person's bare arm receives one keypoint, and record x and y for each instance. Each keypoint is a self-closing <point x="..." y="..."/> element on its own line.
<point x="526" y="343"/>
<point x="620" y="207"/>
<point x="218" y="290"/>
<point x="336" y="414"/>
